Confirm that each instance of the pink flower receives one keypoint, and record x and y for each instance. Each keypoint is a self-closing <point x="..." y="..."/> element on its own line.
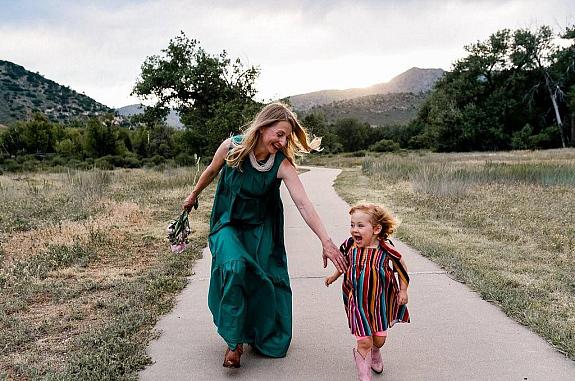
<point x="179" y="247"/>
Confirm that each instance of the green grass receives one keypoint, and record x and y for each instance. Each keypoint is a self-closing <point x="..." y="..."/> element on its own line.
<point x="85" y="270"/>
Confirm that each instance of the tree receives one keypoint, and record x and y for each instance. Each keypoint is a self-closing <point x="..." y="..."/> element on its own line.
<point x="35" y="136"/>
<point x="100" y="138"/>
<point x="353" y="134"/>
<point x="213" y="93"/>
<point x="510" y="81"/>
<point x="535" y="51"/>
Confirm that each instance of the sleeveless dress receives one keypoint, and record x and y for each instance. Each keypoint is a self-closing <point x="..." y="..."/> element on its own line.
<point x="249" y="294"/>
<point x="370" y="288"/>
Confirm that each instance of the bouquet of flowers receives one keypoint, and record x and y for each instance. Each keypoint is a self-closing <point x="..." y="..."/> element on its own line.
<point x="178" y="231"/>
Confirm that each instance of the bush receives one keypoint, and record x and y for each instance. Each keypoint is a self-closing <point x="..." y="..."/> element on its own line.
<point x="131" y="162"/>
<point x="58" y="160"/>
<point x="361" y="153"/>
<point x="104" y="163"/>
<point x="385" y="145"/>
<point x="11" y="165"/>
<point x="157" y="159"/>
<point x="184" y="159"/>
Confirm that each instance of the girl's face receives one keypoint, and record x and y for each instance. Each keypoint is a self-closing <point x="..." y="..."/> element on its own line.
<point x="274" y="138"/>
<point x="362" y="231"/>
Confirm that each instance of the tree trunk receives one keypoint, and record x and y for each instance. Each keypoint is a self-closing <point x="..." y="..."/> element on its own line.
<point x="573" y="129"/>
<point x="555" y="107"/>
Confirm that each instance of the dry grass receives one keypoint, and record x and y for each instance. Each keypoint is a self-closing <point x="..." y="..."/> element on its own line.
<point x="504" y="223"/>
<point x="86" y="270"/>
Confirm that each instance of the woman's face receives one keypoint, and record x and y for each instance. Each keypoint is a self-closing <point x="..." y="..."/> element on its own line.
<point x="275" y="137"/>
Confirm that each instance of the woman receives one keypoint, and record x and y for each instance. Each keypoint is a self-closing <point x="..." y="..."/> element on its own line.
<point x="249" y="294"/>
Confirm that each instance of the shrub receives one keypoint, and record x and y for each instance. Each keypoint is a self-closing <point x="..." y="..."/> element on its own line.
<point x="385" y="145"/>
<point x="58" y="160"/>
<point x="12" y="165"/>
<point x="184" y="159"/>
<point x="157" y="159"/>
<point x="103" y="163"/>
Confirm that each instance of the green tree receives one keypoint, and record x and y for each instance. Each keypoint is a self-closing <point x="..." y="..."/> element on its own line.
<point x="100" y="138"/>
<point x="213" y="93"/>
<point x="511" y="80"/>
<point x="35" y="136"/>
<point x="536" y="52"/>
<point x="353" y="134"/>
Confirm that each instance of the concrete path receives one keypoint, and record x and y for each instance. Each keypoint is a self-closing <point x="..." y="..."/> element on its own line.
<point x="454" y="334"/>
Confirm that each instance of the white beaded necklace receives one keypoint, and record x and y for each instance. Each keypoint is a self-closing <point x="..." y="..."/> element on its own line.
<point x="262" y="167"/>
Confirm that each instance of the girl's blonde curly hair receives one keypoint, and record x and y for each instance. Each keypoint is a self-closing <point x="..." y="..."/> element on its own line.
<point x="379" y="216"/>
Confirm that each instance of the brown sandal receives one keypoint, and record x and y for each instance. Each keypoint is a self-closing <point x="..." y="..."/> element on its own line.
<point x="232" y="358"/>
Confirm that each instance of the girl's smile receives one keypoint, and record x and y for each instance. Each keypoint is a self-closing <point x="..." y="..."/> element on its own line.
<point x="363" y="232"/>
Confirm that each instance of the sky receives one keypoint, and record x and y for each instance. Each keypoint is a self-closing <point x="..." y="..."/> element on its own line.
<point x="98" y="47"/>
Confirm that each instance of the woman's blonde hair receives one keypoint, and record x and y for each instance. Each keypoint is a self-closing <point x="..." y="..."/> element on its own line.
<point x="379" y="216"/>
<point x="300" y="141"/>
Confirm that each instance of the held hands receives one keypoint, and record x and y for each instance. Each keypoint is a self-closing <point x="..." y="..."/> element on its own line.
<point x="402" y="297"/>
<point x="190" y="202"/>
<point x="330" y="251"/>
<point x="329" y="280"/>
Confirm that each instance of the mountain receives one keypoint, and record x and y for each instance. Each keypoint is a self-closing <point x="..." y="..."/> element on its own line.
<point x="172" y="120"/>
<point x="414" y="80"/>
<point x="23" y="92"/>
<point x="377" y="109"/>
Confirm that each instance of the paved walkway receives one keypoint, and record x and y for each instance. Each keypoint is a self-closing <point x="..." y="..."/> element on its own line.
<point x="454" y="334"/>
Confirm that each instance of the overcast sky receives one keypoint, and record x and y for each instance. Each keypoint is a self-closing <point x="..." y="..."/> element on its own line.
<point x="97" y="47"/>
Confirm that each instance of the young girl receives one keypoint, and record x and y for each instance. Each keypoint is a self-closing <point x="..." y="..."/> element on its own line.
<point x="372" y="297"/>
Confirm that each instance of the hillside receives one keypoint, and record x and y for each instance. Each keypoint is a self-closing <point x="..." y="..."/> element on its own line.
<point x="23" y="92"/>
<point x="379" y="109"/>
<point x="172" y="120"/>
<point x="414" y="80"/>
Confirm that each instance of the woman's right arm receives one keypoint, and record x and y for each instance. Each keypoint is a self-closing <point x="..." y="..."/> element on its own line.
<point x="209" y="174"/>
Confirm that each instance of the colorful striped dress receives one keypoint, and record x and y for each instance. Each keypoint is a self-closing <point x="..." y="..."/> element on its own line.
<point x="370" y="288"/>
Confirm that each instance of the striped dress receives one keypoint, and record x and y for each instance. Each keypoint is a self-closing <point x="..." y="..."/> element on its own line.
<point x="370" y="288"/>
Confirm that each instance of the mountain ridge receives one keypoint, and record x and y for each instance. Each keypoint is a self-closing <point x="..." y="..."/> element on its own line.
<point x="23" y="92"/>
<point x="414" y="80"/>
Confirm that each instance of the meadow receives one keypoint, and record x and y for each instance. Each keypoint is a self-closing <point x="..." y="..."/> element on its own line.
<point x="86" y="270"/>
<point x="503" y="223"/>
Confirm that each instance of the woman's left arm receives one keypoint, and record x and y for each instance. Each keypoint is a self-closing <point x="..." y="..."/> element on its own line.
<point x="289" y="175"/>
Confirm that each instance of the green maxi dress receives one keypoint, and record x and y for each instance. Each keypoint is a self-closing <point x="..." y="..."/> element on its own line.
<point x="250" y="294"/>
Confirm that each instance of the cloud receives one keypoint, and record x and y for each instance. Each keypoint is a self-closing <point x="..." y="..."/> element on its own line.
<point x="304" y="45"/>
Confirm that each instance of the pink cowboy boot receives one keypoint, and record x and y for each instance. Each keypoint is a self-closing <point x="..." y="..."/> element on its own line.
<point x="363" y="366"/>
<point x="376" y="360"/>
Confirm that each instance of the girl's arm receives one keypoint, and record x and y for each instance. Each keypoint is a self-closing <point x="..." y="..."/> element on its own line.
<point x="289" y="175"/>
<point x="209" y="174"/>
<point x="332" y="278"/>
<point x="402" y="297"/>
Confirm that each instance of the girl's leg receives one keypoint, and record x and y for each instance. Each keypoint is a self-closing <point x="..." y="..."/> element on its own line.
<point x="362" y="357"/>
<point x="364" y="344"/>
<point x="376" y="360"/>
<point x="379" y="338"/>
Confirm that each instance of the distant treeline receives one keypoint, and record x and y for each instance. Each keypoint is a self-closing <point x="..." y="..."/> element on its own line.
<point x="516" y="90"/>
<point x="98" y="142"/>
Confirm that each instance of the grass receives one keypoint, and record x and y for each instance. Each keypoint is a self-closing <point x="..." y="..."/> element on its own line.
<point x="503" y="223"/>
<point x="85" y="270"/>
